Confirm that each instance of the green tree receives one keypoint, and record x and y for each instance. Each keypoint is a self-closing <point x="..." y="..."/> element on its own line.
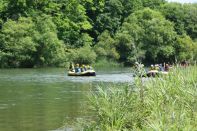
<point x="17" y="8"/>
<point x="50" y="50"/>
<point x="82" y="55"/>
<point x="3" y="5"/>
<point x="153" y="4"/>
<point x="71" y="21"/>
<point x="110" y="14"/>
<point x="106" y="48"/>
<point x="185" y="48"/>
<point x="183" y="16"/>
<point x="122" y="30"/>
<point x="130" y="50"/>
<point x="146" y="29"/>
<point x="26" y="44"/>
<point x="17" y="45"/>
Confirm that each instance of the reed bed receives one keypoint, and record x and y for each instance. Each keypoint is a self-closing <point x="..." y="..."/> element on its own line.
<point x="165" y="103"/>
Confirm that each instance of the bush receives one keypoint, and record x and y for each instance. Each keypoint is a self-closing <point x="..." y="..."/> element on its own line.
<point x="106" y="48"/>
<point x="83" y="55"/>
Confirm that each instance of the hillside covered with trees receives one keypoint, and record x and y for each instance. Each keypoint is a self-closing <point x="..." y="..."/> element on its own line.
<point x="36" y="33"/>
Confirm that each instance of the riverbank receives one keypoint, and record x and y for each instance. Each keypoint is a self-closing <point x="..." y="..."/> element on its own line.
<point x="165" y="103"/>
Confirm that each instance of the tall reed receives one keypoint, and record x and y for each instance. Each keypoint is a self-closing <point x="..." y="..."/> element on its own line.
<point x="163" y="103"/>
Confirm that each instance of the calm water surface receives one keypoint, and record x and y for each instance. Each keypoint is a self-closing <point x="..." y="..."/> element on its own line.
<point x="45" y="99"/>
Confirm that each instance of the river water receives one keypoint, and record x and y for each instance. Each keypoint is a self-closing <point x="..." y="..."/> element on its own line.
<point x="45" y="99"/>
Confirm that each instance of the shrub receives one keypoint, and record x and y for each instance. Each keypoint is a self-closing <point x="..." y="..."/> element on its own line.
<point x="83" y="55"/>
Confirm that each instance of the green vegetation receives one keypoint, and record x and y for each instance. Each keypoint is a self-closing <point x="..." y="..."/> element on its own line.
<point x="165" y="103"/>
<point x="55" y="32"/>
<point x="107" y="64"/>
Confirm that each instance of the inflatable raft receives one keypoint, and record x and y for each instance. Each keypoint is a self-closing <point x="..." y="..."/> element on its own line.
<point x="84" y="73"/>
<point x="153" y="73"/>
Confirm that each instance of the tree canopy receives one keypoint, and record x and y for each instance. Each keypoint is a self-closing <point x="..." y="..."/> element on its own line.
<point x="54" y="32"/>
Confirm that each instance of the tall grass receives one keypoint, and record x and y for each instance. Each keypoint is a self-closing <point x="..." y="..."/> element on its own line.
<point x="163" y="103"/>
<point x="172" y="101"/>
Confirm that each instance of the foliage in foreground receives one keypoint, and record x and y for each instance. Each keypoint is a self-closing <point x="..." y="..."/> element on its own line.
<point x="167" y="103"/>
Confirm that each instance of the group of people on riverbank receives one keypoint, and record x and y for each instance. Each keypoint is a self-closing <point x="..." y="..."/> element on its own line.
<point x="79" y="68"/>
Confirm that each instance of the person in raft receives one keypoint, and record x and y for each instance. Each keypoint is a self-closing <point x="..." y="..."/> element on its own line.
<point x="77" y="69"/>
<point x="166" y="67"/>
<point x="71" y="67"/>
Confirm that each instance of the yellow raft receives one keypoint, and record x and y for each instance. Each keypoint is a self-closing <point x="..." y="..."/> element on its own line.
<point x="154" y="73"/>
<point x="84" y="73"/>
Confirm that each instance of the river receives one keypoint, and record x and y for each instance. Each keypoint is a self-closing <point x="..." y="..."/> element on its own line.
<point x="45" y="99"/>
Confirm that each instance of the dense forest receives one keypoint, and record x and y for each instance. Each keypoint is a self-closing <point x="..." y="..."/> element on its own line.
<point x="37" y="33"/>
